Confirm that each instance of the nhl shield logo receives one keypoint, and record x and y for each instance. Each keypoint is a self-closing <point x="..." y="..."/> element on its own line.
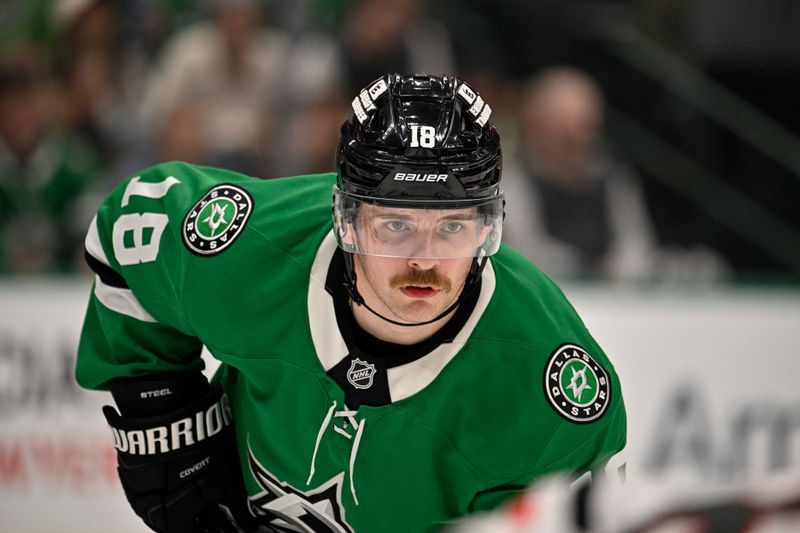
<point x="360" y="374"/>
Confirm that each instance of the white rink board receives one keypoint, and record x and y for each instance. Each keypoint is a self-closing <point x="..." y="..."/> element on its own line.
<point x="722" y="365"/>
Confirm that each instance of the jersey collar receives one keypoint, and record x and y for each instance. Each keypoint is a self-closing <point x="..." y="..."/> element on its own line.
<point x="406" y="379"/>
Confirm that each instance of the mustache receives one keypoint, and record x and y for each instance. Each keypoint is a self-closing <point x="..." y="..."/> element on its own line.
<point x="421" y="278"/>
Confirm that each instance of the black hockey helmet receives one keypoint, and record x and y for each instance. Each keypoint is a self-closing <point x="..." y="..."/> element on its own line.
<point x="411" y="128"/>
<point x="419" y="142"/>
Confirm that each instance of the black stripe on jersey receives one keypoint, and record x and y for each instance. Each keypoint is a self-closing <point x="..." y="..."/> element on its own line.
<point x="108" y="275"/>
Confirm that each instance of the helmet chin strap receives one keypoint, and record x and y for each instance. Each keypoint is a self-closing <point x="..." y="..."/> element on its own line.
<point x="471" y="283"/>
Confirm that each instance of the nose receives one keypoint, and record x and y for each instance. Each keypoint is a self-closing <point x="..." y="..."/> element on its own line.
<point x="424" y="250"/>
<point x="423" y="263"/>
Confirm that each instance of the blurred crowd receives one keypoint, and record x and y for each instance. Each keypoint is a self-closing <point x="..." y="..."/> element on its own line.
<point x="93" y="91"/>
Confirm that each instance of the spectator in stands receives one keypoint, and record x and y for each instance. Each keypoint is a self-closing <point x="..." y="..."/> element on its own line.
<point x="311" y="133"/>
<point x="231" y="66"/>
<point x="92" y="70"/>
<point x="182" y="135"/>
<point x="382" y="36"/>
<point x="578" y="210"/>
<point x="45" y="176"/>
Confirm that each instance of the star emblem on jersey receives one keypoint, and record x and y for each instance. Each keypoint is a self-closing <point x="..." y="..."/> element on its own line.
<point x="217" y="219"/>
<point x="286" y="509"/>
<point x="360" y="374"/>
<point x="576" y="386"/>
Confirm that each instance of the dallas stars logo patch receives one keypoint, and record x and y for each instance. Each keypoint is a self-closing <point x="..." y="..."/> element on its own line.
<point x="216" y="220"/>
<point x="576" y="386"/>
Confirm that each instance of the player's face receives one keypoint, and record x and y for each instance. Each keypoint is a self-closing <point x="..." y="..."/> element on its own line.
<point x="419" y="288"/>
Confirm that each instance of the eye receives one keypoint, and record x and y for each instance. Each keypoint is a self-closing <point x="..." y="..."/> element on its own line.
<point x="396" y="225"/>
<point x="452" y="227"/>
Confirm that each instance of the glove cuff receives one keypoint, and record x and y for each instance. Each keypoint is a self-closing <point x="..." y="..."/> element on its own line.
<point x="155" y="394"/>
<point x="165" y="434"/>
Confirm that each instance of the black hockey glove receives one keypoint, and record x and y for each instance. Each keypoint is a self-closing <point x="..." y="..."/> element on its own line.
<point x="180" y="469"/>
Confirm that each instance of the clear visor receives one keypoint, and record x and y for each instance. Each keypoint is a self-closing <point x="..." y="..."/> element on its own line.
<point x="404" y="229"/>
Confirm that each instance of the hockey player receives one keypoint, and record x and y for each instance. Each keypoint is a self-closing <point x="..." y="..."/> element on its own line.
<point x="387" y="368"/>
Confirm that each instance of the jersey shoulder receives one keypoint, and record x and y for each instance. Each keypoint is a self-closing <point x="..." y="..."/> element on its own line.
<point x="207" y="207"/>
<point x="175" y="227"/>
<point x="529" y="308"/>
<point x="548" y="387"/>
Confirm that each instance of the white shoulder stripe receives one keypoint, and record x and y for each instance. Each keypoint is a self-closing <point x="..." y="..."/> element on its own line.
<point x="93" y="245"/>
<point x="328" y="340"/>
<point x="120" y="300"/>
<point x="147" y="189"/>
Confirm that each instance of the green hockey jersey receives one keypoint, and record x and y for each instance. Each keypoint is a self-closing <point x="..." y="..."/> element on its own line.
<point x="188" y="256"/>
